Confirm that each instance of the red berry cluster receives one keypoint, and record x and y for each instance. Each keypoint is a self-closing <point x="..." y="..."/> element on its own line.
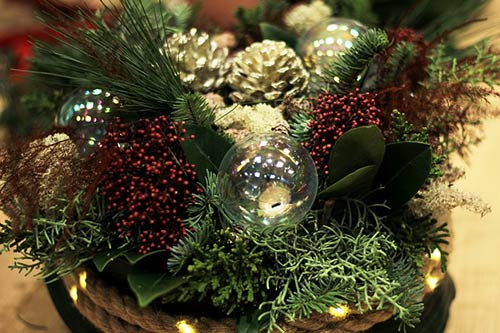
<point x="334" y="115"/>
<point x="149" y="181"/>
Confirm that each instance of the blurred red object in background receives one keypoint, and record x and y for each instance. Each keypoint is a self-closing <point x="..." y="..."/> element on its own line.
<point x="19" y="42"/>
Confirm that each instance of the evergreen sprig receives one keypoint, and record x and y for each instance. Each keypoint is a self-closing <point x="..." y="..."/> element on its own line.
<point x="323" y="266"/>
<point x="57" y="245"/>
<point x="343" y="74"/>
<point x="222" y="264"/>
<point x="417" y="236"/>
<point x="299" y="126"/>
<point x="193" y="108"/>
<point x="483" y="66"/>
<point x="228" y="269"/>
<point x="401" y="55"/>
<point x="403" y="130"/>
<point x="123" y="58"/>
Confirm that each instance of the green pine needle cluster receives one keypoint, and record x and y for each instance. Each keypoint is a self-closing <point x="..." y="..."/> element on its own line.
<point x="299" y="126"/>
<point x="226" y="268"/>
<point x="192" y="108"/>
<point x="343" y="75"/>
<point x="400" y="57"/>
<point x="482" y="66"/>
<point x="222" y="265"/>
<point x="124" y="59"/>
<point x="56" y="245"/>
<point x="323" y="266"/>
<point x="403" y="130"/>
<point x="419" y="235"/>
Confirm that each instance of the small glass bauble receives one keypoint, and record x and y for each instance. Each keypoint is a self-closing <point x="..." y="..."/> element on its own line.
<point x="86" y="114"/>
<point x="320" y="46"/>
<point x="267" y="180"/>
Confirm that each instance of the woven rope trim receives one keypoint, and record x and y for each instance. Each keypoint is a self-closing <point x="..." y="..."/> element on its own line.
<point x="112" y="312"/>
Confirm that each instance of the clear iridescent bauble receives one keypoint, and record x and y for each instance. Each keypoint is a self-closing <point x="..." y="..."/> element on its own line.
<point x="86" y="114"/>
<point x="320" y="46"/>
<point x="267" y="180"/>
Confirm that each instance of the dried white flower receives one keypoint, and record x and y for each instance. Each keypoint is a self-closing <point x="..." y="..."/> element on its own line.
<point x="302" y="18"/>
<point x="52" y="159"/>
<point x="439" y="198"/>
<point x="239" y="121"/>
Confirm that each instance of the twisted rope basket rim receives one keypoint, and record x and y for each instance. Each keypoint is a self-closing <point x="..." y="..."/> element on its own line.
<point x="114" y="312"/>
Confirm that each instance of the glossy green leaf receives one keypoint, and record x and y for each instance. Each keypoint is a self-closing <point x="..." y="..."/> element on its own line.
<point x="356" y="182"/>
<point x="206" y="150"/>
<point x="148" y="286"/>
<point x="134" y="257"/>
<point x="248" y="323"/>
<point x="405" y="170"/>
<point x="102" y="259"/>
<point x="357" y="148"/>
<point x="273" y="32"/>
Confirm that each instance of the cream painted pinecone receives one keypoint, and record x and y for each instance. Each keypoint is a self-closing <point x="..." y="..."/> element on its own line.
<point x="267" y="72"/>
<point x="202" y="64"/>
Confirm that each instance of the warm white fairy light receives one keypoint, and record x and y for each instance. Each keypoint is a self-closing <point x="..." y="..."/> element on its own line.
<point x="436" y="255"/>
<point x="184" y="327"/>
<point x="340" y="311"/>
<point x="83" y="279"/>
<point x="432" y="282"/>
<point x="73" y="293"/>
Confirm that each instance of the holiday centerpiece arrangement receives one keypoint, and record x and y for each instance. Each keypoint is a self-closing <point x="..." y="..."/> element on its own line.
<point x="290" y="175"/>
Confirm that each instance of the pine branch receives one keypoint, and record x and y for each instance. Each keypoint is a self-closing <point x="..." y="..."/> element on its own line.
<point x="193" y="108"/>
<point x="59" y="244"/>
<point x="343" y="74"/>
<point x="299" y="126"/>
<point x="483" y="66"/>
<point x="400" y="57"/>
<point x="320" y="266"/>
<point x="122" y="58"/>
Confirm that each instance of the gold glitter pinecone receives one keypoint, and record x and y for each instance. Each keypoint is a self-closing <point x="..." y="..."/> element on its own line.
<point x="267" y="72"/>
<point x="202" y="64"/>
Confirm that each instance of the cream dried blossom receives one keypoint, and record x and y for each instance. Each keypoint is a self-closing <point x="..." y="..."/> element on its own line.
<point x="303" y="17"/>
<point x="53" y="161"/>
<point x="240" y="121"/>
<point x="439" y="198"/>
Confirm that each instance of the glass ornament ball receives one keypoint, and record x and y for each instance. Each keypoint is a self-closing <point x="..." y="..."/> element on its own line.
<point x="320" y="46"/>
<point x="86" y="114"/>
<point x="267" y="180"/>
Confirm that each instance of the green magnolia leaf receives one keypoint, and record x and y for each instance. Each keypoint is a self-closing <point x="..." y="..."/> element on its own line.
<point x="358" y="148"/>
<point x="134" y="257"/>
<point x="405" y="169"/>
<point x="102" y="259"/>
<point x="148" y="286"/>
<point x="248" y="323"/>
<point x="206" y="151"/>
<point x="356" y="182"/>
<point x="273" y="32"/>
